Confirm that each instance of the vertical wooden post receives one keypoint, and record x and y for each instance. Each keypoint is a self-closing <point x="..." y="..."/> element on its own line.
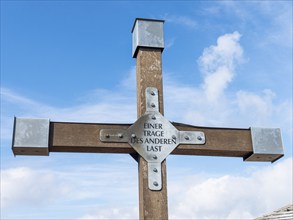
<point x="152" y="204"/>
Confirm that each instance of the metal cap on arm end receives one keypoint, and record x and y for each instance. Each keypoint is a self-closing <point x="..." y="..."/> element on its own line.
<point x="31" y="136"/>
<point x="267" y="145"/>
<point x="147" y="33"/>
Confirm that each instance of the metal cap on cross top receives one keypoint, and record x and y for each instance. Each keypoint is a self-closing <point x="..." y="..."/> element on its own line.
<point x="147" y="33"/>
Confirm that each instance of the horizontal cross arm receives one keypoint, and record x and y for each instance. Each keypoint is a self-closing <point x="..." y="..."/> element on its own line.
<point x="83" y="137"/>
<point x="40" y="136"/>
<point x="227" y="142"/>
<point x="253" y="144"/>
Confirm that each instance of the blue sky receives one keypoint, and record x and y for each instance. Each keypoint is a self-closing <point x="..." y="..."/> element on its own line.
<point x="225" y="64"/>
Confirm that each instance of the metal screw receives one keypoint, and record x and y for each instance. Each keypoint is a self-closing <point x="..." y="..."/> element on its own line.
<point x="186" y="138"/>
<point x="155" y="157"/>
<point x="199" y="138"/>
<point x="155" y="170"/>
<point x="154" y="117"/>
<point x="120" y="135"/>
<point x="153" y="105"/>
<point x="107" y="135"/>
<point x="133" y="135"/>
<point x="153" y="93"/>
<point x="155" y="183"/>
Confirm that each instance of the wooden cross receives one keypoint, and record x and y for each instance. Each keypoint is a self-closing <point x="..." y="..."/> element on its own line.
<point x="152" y="137"/>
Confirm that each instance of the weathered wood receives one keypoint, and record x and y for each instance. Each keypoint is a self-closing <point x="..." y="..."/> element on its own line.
<point x="152" y="204"/>
<point x="226" y="142"/>
<point x="84" y="138"/>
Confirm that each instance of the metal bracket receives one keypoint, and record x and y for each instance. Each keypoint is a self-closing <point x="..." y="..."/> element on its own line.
<point x="153" y="137"/>
<point x="113" y="135"/>
<point x="31" y="136"/>
<point x="267" y="144"/>
<point x="152" y="99"/>
<point x="191" y="137"/>
<point x="155" y="175"/>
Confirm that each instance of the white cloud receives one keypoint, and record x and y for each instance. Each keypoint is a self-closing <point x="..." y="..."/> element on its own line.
<point x="262" y="105"/>
<point x="129" y="82"/>
<point x="240" y="109"/>
<point x="274" y="27"/>
<point x="181" y="20"/>
<point x="23" y="186"/>
<point x="282" y="28"/>
<point x="204" y="196"/>
<point x="218" y="64"/>
<point x="8" y="94"/>
<point x="213" y="104"/>
<point x="112" y="213"/>
<point x="169" y="42"/>
<point x="111" y="182"/>
<point x="232" y="196"/>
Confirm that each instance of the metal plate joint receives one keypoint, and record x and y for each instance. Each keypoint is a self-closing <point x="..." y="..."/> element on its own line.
<point x="154" y="176"/>
<point x="152" y="99"/>
<point x="191" y="137"/>
<point x="114" y="135"/>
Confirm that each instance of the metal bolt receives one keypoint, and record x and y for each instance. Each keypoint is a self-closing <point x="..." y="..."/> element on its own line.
<point x="155" y="157"/>
<point x="133" y="135"/>
<point x="154" y="117"/>
<point x="120" y="135"/>
<point x="186" y="138"/>
<point x="153" y="93"/>
<point x="199" y="138"/>
<point x="153" y="105"/>
<point x="155" y="170"/>
<point x="155" y="183"/>
<point x="107" y="135"/>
